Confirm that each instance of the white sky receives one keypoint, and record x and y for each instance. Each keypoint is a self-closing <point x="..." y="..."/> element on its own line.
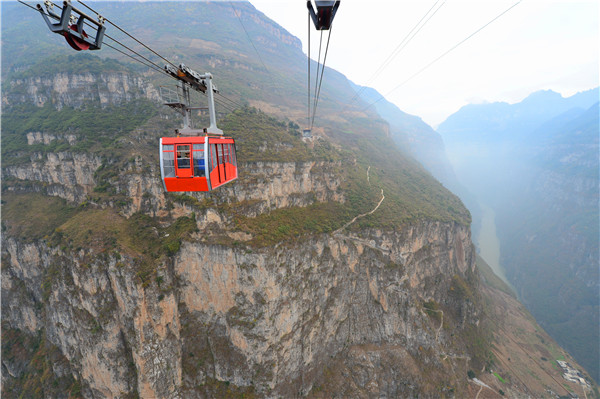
<point x="539" y="44"/>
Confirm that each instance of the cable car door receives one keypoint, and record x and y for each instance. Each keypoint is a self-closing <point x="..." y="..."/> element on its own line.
<point x="183" y="167"/>
<point x="221" y="161"/>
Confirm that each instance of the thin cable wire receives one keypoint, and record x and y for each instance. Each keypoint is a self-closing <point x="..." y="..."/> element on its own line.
<point x="136" y="53"/>
<point x="230" y="100"/>
<point x="119" y="28"/>
<point x="135" y="59"/>
<point x="443" y="55"/>
<point x="321" y="79"/>
<point x="401" y="46"/>
<point x="226" y="103"/>
<point x="317" y="75"/>
<point x="33" y="8"/>
<point x="251" y="42"/>
<point x="222" y="104"/>
<point x="308" y="83"/>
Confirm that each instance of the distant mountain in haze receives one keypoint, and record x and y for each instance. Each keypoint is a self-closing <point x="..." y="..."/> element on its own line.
<point x="536" y="164"/>
<point x="500" y="121"/>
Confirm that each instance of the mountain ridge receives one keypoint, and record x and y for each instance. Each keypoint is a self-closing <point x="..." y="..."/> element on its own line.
<point x="513" y="119"/>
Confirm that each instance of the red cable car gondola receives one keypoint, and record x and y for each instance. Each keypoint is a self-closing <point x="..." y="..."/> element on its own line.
<point x="197" y="159"/>
<point x="197" y="163"/>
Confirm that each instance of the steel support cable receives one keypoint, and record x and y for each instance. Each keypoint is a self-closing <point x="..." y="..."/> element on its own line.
<point x="443" y="55"/>
<point x="224" y="104"/>
<point x="227" y="107"/>
<point x="317" y="75"/>
<point x="401" y="46"/>
<point x="318" y="94"/>
<point x="229" y="104"/>
<point x="30" y="6"/>
<point x="408" y="38"/>
<point x="230" y="100"/>
<point x="251" y="42"/>
<point x="151" y="66"/>
<point x="119" y="28"/>
<point x="217" y="101"/>
<point x="308" y="83"/>
<point x="139" y="55"/>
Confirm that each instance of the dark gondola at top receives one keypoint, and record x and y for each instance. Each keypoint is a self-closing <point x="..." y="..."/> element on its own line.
<point x="324" y="14"/>
<point x="77" y="38"/>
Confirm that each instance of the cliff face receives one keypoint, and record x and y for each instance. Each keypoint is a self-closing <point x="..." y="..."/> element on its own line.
<point x="267" y="321"/>
<point x="71" y="89"/>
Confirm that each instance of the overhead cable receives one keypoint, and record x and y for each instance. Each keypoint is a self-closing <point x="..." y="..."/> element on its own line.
<point x="401" y="46"/>
<point x="248" y="35"/>
<point x="308" y="83"/>
<point x="318" y="93"/>
<point x="443" y="55"/>
<point x="132" y="37"/>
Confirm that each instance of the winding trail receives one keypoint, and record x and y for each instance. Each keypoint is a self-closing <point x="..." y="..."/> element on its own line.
<point x="481" y="386"/>
<point x="361" y="216"/>
<point x="478" y="392"/>
<point x="437" y="333"/>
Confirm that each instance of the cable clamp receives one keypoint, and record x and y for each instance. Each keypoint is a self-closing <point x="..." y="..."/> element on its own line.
<point x="101" y="19"/>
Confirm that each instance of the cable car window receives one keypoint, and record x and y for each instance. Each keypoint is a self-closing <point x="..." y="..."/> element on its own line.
<point x="168" y="147"/>
<point x="198" y="161"/>
<point x="234" y="160"/>
<point x="213" y="156"/>
<point x="198" y="147"/>
<point x="183" y="157"/>
<point x="221" y="157"/>
<point x="169" y="163"/>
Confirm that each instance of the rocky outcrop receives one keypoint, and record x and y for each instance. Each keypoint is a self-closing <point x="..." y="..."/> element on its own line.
<point x="67" y="175"/>
<point x="266" y="185"/>
<point x="76" y="89"/>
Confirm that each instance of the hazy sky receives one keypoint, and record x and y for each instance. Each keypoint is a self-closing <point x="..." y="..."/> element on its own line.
<point x="539" y="44"/>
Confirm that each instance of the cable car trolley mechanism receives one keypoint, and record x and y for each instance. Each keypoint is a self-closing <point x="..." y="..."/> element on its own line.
<point x="323" y="16"/>
<point x="196" y="159"/>
<point x="70" y="25"/>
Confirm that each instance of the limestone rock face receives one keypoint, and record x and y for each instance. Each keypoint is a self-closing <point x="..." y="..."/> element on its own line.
<point x="76" y="89"/>
<point x="65" y="174"/>
<point x="269" y="321"/>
